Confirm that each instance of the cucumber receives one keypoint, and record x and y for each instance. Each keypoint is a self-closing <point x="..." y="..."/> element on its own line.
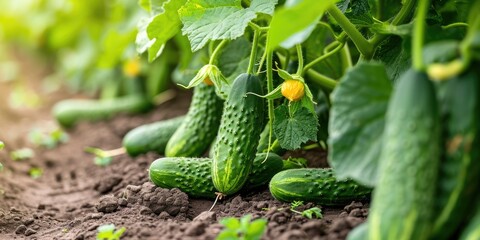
<point x="151" y="137"/>
<point x="200" y="127"/>
<point x="403" y="200"/>
<point x="317" y="185"/>
<point x="71" y="111"/>
<point x="458" y="180"/>
<point x="238" y="136"/>
<point x="472" y="230"/>
<point x="192" y="175"/>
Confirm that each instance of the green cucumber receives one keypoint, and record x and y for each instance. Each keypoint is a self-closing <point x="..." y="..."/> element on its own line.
<point x="403" y="200"/>
<point x="458" y="180"/>
<point x="200" y="127"/>
<point x="71" y="111"/>
<point x="238" y="135"/>
<point x="192" y="175"/>
<point x="317" y="185"/>
<point x="151" y="137"/>
<point x="472" y="230"/>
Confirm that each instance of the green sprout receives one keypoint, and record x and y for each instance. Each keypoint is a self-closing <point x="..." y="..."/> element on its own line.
<point x="310" y="213"/>
<point x="48" y="140"/>
<point x="104" y="158"/>
<point x="242" y="229"/>
<point x="35" y="172"/>
<point x="22" y="154"/>
<point x="108" y="232"/>
<point x="2" y="145"/>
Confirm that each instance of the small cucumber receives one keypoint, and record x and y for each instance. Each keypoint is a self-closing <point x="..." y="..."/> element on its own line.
<point x="192" y="175"/>
<point x="71" y="111"/>
<point x="317" y="185"/>
<point x="404" y="198"/>
<point x="458" y="181"/>
<point x="238" y="135"/>
<point x="200" y="126"/>
<point x="151" y="137"/>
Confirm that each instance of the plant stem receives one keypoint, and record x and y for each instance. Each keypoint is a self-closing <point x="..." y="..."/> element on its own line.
<point x="365" y="48"/>
<point x="400" y="18"/>
<point x="253" y="53"/>
<point x="323" y="57"/>
<point x="217" y="50"/>
<point x="262" y="60"/>
<point x="270" y="89"/>
<point x="300" y="59"/>
<point x="418" y="35"/>
<point x="346" y="58"/>
<point x="257" y="28"/>
<point x="453" y="25"/>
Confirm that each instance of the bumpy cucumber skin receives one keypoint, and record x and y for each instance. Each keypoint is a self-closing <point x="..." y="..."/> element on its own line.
<point x="192" y="175"/>
<point x="403" y="200"/>
<point x="458" y="180"/>
<point x="71" y="111"/>
<point x="238" y="135"/>
<point x="151" y="137"/>
<point x="200" y="127"/>
<point x="317" y="185"/>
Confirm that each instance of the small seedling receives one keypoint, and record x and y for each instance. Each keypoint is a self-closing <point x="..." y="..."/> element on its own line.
<point x="48" y="140"/>
<point x="22" y="154"/>
<point x="35" y="172"/>
<point x="242" y="229"/>
<point x="108" y="232"/>
<point x="2" y="145"/>
<point x="310" y="213"/>
<point x="102" y="157"/>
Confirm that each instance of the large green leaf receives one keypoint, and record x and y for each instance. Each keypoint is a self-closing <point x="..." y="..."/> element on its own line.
<point x="357" y="119"/>
<point x="294" y="127"/>
<point x="155" y="31"/>
<point x="206" y="20"/>
<point x="292" y="19"/>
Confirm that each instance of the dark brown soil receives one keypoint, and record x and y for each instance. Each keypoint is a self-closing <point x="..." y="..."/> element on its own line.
<point x="74" y="196"/>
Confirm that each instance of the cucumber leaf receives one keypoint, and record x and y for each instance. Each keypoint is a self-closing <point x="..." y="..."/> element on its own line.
<point x="155" y="31"/>
<point x="357" y="120"/>
<point x="294" y="18"/>
<point x="206" y="20"/>
<point x="294" y="127"/>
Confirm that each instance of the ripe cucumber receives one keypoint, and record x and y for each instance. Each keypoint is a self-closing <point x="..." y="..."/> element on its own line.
<point x="71" y="111"/>
<point x="403" y="200"/>
<point x="192" y="175"/>
<point x="151" y="137"/>
<point x="200" y="126"/>
<point x="238" y="135"/>
<point x="458" y="180"/>
<point x="317" y="185"/>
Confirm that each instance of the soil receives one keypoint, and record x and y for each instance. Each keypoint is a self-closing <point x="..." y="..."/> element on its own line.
<point x="74" y="196"/>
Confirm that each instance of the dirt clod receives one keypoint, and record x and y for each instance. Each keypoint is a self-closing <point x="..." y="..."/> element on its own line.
<point x="107" y="204"/>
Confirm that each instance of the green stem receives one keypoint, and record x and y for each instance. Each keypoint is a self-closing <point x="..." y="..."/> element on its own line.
<point x="257" y="28"/>
<point x="454" y="25"/>
<point x="262" y="60"/>
<point x="253" y="53"/>
<point x="217" y="50"/>
<point x="365" y="48"/>
<point x="418" y="34"/>
<point x="346" y="58"/>
<point x="323" y="57"/>
<point x="400" y="18"/>
<point x="270" y="89"/>
<point x="300" y="59"/>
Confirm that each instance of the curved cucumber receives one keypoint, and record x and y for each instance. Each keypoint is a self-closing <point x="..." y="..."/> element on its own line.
<point x="317" y="185"/>
<point x="200" y="126"/>
<point x="71" y="111"/>
<point x="458" y="181"/>
<point x="151" y="137"/>
<point x="403" y="200"/>
<point x="238" y="136"/>
<point x="192" y="175"/>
